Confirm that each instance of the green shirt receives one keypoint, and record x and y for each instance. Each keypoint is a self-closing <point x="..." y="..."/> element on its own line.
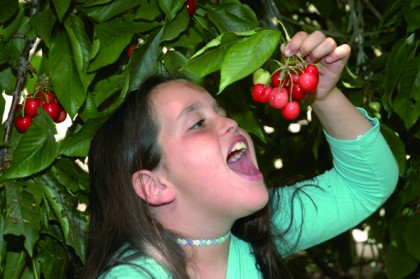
<point x="364" y="175"/>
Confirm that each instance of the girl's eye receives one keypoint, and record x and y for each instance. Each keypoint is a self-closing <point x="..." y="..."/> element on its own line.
<point x="197" y="125"/>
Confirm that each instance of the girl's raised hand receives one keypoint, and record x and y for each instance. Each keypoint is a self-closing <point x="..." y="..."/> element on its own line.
<point x="317" y="48"/>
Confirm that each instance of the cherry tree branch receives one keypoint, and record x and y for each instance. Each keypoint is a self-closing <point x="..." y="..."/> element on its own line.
<point x="23" y="66"/>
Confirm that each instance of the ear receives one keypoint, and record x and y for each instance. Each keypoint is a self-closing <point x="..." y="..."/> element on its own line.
<point x="152" y="189"/>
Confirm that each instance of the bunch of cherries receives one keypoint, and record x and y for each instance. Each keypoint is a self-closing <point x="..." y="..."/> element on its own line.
<point x="290" y="83"/>
<point x="43" y="98"/>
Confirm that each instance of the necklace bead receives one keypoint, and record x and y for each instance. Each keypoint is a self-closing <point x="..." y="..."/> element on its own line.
<point x="202" y="242"/>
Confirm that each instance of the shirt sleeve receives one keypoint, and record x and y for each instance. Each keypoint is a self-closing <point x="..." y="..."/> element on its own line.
<point x="363" y="176"/>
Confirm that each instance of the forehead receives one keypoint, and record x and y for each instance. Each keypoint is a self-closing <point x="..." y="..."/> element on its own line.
<point x="174" y="96"/>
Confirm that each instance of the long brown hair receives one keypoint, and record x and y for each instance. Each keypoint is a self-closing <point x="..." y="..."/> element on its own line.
<point x="121" y="225"/>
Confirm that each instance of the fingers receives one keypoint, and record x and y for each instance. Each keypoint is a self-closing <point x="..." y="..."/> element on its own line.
<point x="340" y="53"/>
<point x="315" y="47"/>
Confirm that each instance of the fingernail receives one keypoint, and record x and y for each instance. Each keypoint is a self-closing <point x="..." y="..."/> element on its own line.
<point x="287" y="52"/>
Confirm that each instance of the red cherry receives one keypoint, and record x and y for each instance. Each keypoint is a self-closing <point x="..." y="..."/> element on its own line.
<point x="291" y="110"/>
<point x="294" y="77"/>
<point x="22" y="123"/>
<point x="130" y="50"/>
<point x="308" y="82"/>
<point x="53" y="109"/>
<point x="61" y="117"/>
<point x="297" y="93"/>
<point x="260" y="93"/>
<point x="46" y="97"/>
<point x="31" y="105"/>
<point x="312" y="69"/>
<point x="275" y="79"/>
<point x="191" y="7"/>
<point x="279" y="97"/>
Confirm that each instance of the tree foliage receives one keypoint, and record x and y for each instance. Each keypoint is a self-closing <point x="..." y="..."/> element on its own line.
<point x="81" y="48"/>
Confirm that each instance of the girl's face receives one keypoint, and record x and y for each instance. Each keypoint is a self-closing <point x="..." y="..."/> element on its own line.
<point x="208" y="159"/>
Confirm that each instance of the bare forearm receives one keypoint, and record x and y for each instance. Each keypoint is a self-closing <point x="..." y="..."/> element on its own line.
<point x="339" y="117"/>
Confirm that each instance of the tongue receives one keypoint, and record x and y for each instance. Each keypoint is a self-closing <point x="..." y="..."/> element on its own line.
<point x="244" y="166"/>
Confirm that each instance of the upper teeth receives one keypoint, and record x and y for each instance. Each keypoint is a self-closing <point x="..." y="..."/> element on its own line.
<point x="237" y="146"/>
<point x="238" y="149"/>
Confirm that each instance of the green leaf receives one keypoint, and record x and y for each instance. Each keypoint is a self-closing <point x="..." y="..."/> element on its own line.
<point x="8" y="8"/>
<point x="400" y="263"/>
<point x="247" y="56"/>
<point x="174" y="61"/>
<point x="412" y="15"/>
<point x="175" y="27"/>
<point x="247" y="121"/>
<point x="15" y="263"/>
<point x="11" y="29"/>
<point x="77" y="145"/>
<point x="36" y="149"/>
<point x="407" y="101"/>
<point x="105" y="10"/>
<point x="144" y="60"/>
<point x="51" y="258"/>
<point x="397" y="147"/>
<point x="7" y="80"/>
<point x="171" y="7"/>
<point x="395" y="65"/>
<point x="61" y="7"/>
<point x="23" y="216"/>
<point x="68" y="173"/>
<point x="411" y="190"/>
<point x="73" y="223"/>
<point x="411" y="232"/>
<point x="209" y="58"/>
<point x="233" y="17"/>
<point x="148" y="10"/>
<point x="107" y="87"/>
<point x="113" y="38"/>
<point x="80" y="46"/>
<point x="66" y="82"/>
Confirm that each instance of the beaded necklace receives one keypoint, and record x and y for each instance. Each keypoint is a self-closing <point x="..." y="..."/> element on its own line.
<point x="202" y="242"/>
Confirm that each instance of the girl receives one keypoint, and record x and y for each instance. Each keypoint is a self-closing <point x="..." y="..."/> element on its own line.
<point x="176" y="191"/>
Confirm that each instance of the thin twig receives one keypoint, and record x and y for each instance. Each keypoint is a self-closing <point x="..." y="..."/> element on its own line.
<point x="20" y="82"/>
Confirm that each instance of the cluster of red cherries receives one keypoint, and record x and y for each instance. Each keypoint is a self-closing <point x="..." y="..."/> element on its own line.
<point x="45" y="99"/>
<point x="289" y="84"/>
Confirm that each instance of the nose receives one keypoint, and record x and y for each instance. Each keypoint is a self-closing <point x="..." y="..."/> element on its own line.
<point x="228" y="125"/>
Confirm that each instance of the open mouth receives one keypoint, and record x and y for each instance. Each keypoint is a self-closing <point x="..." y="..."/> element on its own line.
<point x="240" y="162"/>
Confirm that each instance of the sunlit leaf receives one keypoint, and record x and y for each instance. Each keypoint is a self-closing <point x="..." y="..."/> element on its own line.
<point x="174" y="28"/>
<point x="77" y="144"/>
<point x="143" y="61"/>
<point x="237" y="63"/>
<point x="106" y="10"/>
<point x="170" y="7"/>
<point x="65" y="78"/>
<point x="80" y="46"/>
<point x="43" y="22"/>
<point x="36" y="149"/>
<point x="233" y="17"/>
<point x="61" y="7"/>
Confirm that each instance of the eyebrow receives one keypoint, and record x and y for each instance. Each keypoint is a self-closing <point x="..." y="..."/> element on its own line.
<point x="196" y="106"/>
